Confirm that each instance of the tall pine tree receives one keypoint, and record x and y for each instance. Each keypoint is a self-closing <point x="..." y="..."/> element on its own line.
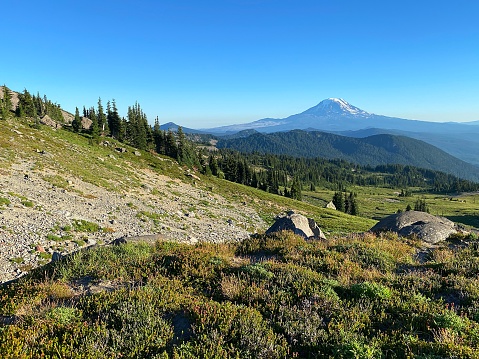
<point x="114" y="122"/>
<point x="94" y="128"/>
<point x="101" y="116"/>
<point x="76" y="123"/>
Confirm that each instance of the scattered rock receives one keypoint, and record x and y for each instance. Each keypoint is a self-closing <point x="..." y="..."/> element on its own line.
<point x="86" y="123"/>
<point x="137" y="153"/>
<point x="148" y="238"/>
<point x="193" y="240"/>
<point x="189" y="174"/>
<point x="298" y="224"/>
<point x="425" y="226"/>
<point x="48" y="121"/>
<point x="121" y="149"/>
<point x="56" y="256"/>
<point x="331" y="205"/>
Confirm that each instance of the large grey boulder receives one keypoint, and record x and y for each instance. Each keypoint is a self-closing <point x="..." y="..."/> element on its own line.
<point x="425" y="226"/>
<point x="298" y="224"/>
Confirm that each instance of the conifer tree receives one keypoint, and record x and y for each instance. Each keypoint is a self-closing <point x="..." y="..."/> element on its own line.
<point x="213" y="164"/>
<point x="158" y="137"/>
<point x="76" y="123"/>
<point x="171" y="149"/>
<point x="101" y="116"/>
<point x="296" y="190"/>
<point x="94" y="129"/>
<point x="338" y="201"/>
<point x="421" y="205"/>
<point x="352" y="204"/>
<point x="139" y="133"/>
<point x="6" y="103"/>
<point x="114" y="122"/>
<point x="27" y="105"/>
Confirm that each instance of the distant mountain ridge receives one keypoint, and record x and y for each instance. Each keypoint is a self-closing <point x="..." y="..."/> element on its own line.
<point x="373" y="150"/>
<point x="338" y="116"/>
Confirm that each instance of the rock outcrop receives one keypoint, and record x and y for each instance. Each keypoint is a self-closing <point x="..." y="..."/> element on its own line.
<point x="331" y="205"/>
<point x="425" y="226"/>
<point x="48" y="121"/>
<point x="298" y="224"/>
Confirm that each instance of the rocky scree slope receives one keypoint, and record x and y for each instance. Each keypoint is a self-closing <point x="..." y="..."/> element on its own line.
<point x="56" y="197"/>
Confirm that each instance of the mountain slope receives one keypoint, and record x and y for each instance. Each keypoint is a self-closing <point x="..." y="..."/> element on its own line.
<point x="58" y="192"/>
<point x="372" y="150"/>
<point x="338" y="116"/>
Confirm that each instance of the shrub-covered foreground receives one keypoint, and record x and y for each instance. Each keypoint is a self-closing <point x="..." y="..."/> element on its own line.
<point x="267" y="297"/>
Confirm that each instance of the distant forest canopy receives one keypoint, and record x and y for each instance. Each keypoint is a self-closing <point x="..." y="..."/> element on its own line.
<point x="379" y="149"/>
<point x="275" y="173"/>
<point x="281" y="174"/>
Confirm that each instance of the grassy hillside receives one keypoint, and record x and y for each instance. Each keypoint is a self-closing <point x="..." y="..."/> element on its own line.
<point x="78" y="193"/>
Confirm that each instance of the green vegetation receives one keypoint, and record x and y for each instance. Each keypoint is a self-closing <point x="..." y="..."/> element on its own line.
<point x="80" y="225"/>
<point x="4" y="201"/>
<point x="266" y="297"/>
<point x="27" y="203"/>
<point x="17" y="260"/>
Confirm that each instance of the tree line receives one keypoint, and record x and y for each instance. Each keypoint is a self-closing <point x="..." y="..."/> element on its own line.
<point x="33" y="106"/>
<point x="279" y="174"/>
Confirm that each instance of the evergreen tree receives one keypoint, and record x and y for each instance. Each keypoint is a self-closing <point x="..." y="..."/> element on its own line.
<point x="114" y="122"/>
<point x="352" y="204"/>
<point x="101" y="116"/>
<point x="39" y="105"/>
<point x="338" y="201"/>
<point x="27" y="105"/>
<point x="94" y="129"/>
<point x="213" y="165"/>
<point x="138" y="130"/>
<point x="183" y="152"/>
<point x="171" y="149"/>
<point x="296" y="190"/>
<point x="347" y="204"/>
<point x="158" y="138"/>
<point x="6" y="103"/>
<point x="254" y="180"/>
<point x="421" y="205"/>
<point x="76" y="123"/>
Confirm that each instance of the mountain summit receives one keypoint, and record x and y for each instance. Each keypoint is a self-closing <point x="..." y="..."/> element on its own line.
<point x="336" y="106"/>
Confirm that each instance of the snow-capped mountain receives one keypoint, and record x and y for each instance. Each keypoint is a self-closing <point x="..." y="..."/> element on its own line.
<point x="336" y="106"/>
<point x="338" y="116"/>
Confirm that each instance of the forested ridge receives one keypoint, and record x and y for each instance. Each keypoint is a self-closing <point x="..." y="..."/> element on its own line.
<point x="373" y="150"/>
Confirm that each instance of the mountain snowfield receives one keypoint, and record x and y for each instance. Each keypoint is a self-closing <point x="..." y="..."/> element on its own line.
<point x="336" y="106"/>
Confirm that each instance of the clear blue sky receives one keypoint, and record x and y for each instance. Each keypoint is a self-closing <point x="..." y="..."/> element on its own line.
<point x="207" y="63"/>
